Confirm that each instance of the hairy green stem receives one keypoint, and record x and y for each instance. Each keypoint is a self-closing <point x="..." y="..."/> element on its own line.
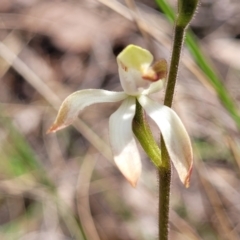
<point x="164" y="174"/>
<point x="173" y="70"/>
<point x="186" y="10"/>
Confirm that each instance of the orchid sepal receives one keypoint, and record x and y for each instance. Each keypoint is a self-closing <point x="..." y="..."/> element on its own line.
<point x="124" y="146"/>
<point x="175" y="136"/>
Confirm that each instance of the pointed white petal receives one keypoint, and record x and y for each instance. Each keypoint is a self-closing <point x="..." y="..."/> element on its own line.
<point x="77" y="101"/>
<point x="174" y="134"/>
<point x="123" y="144"/>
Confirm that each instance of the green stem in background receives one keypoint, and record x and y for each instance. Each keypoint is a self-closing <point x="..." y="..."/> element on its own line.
<point x="186" y="10"/>
<point x="144" y="135"/>
<point x="204" y="64"/>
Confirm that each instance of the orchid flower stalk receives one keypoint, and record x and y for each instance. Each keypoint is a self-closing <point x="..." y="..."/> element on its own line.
<point x="186" y="11"/>
<point x="139" y="78"/>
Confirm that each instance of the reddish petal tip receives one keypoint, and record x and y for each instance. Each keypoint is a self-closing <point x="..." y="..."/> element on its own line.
<point x="133" y="184"/>
<point x="187" y="179"/>
<point x="55" y="127"/>
<point x="51" y="129"/>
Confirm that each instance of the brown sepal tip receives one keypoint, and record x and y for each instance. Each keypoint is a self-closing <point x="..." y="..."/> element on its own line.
<point x="53" y="128"/>
<point x="187" y="179"/>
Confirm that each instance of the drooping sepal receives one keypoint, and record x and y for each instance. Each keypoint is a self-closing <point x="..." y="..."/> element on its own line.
<point x="124" y="147"/>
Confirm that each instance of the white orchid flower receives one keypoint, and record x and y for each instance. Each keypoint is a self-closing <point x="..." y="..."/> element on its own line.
<point x="138" y="80"/>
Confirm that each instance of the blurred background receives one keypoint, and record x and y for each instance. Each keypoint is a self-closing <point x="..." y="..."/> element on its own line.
<point x="65" y="185"/>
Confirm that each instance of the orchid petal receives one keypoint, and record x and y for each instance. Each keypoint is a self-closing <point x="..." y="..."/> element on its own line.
<point x="77" y="101"/>
<point x="174" y="134"/>
<point x="123" y="144"/>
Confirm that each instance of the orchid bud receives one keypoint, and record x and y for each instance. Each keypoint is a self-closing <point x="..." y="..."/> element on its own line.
<point x="186" y="10"/>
